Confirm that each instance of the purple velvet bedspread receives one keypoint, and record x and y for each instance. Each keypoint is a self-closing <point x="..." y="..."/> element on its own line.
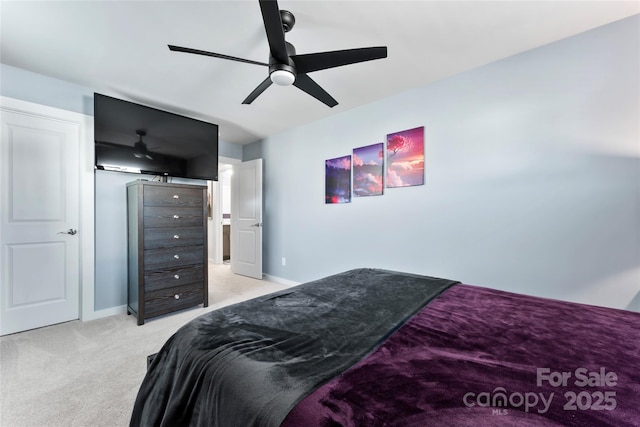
<point x="481" y="357"/>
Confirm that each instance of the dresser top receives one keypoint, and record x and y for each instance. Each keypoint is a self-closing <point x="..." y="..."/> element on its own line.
<point x="140" y="182"/>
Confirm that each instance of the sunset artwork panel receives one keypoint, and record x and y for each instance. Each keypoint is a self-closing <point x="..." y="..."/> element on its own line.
<point x="338" y="180"/>
<point x="368" y="170"/>
<point x="405" y="158"/>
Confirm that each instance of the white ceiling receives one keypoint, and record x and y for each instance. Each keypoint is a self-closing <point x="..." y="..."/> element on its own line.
<point x="119" y="48"/>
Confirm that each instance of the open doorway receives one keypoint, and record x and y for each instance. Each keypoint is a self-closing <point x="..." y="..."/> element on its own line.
<point x="235" y="226"/>
<point x="220" y="213"/>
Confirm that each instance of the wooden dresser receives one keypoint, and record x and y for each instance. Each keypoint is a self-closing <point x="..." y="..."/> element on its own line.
<point x="167" y="247"/>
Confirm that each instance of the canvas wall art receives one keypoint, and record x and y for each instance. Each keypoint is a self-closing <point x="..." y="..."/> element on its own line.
<point x="338" y="180"/>
<point x="405" y="158"/>
<point x="368" y="170"/>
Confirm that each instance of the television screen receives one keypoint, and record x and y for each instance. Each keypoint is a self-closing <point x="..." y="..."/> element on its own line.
<point x="134" y="138"/>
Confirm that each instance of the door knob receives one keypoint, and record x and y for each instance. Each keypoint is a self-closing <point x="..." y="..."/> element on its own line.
<point x="70" y="231"/>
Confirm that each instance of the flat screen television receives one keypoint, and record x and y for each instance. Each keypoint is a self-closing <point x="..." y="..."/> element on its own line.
<point x="134" y="138"/>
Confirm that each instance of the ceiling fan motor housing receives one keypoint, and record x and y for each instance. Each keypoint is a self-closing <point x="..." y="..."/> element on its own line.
<point x="283" y="74"/>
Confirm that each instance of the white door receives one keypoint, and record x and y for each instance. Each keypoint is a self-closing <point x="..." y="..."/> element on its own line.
<point x="39" y="186"/>
<point x="246" y="219"/>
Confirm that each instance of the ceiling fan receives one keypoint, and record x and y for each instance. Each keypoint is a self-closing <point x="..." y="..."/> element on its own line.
<point x="285" y="66"/>
<point x="140" y="148"/>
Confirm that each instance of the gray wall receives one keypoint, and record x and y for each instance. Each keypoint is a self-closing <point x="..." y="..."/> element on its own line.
<point x="110" y="193"/>
<point x="532" y="178"/>
<point x="39" y="89"/>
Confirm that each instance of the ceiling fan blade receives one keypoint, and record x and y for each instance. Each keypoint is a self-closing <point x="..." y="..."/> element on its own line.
<point x="306" y="84"/>
<point x="257" y="91"/>
<point x="275" y="33"/>
<point x="114" y="145"/>
<point x="307" y="63"/>
<point x="215" y="55"/>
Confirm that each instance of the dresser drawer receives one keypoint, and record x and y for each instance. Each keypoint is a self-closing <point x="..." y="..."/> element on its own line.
<point x="169" y="236"/>
<point x="167" y="278"/>
<point x="172" y="217"/>
<point x="168" y="300"/>
<point x="173" y="196"/>
<point x="168" y="258"/>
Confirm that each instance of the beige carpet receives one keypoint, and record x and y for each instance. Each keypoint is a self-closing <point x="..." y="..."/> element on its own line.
<point x="88" y="373"/>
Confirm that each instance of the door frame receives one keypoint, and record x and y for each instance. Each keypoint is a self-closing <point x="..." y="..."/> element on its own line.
<point x="86" y="186"/>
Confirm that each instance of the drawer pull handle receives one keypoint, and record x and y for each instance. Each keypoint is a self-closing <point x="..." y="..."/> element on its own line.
<point x="176" y="216"/>
<point x="176" y="256"/>
<point x="177" y="276"/>
<point x="176" y="196"/>
<point x="176" y="296"/>
<point x="176" y="236"/>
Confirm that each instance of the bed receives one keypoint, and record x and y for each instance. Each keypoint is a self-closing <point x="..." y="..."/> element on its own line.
<point x="371" y="347"/>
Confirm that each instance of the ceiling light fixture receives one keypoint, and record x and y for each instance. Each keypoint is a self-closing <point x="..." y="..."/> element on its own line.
<point x="283" y="77"/>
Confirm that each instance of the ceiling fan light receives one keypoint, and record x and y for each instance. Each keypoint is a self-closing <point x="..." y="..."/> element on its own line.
<point x="283" y="77"/>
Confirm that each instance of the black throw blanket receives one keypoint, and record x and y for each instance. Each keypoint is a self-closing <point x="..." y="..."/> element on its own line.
<point x="250" y="363"/>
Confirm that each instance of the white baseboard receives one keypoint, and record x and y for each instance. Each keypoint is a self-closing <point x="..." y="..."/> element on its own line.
<point x="280" y="280"/>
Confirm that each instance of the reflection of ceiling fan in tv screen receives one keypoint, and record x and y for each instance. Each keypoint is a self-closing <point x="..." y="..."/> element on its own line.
<point x="134" y="138"/>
